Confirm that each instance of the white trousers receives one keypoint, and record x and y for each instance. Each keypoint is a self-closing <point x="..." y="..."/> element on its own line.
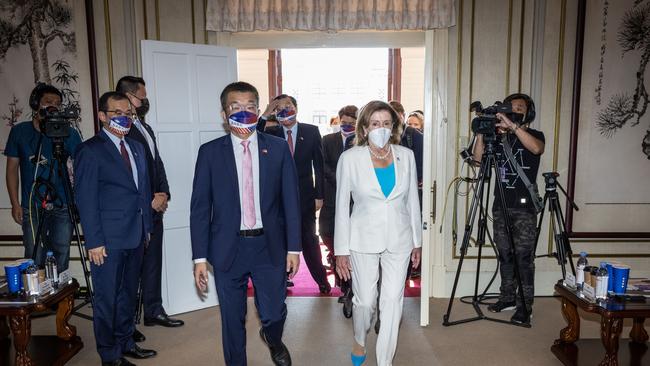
<point x="365" y="275"/>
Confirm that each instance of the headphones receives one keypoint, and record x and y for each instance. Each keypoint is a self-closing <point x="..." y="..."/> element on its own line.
<point x="530" y="105"/>
<point x="37" y="93"/>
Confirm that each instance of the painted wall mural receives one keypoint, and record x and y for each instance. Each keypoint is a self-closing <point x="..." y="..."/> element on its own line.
<point x="627" y="106"/>
<point x="45" y="28"/>
<point x="41" y="41"/>
<point x="613" y="151"/>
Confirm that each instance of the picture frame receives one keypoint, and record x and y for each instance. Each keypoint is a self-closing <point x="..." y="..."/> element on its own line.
<point x="609" y="158"/>
<point x="69" y="52"/>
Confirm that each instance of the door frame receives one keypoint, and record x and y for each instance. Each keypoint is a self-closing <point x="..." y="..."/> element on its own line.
<point x="435" y="43"/>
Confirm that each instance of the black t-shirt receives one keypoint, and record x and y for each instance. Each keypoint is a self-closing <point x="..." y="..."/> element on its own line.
<point x="515" y="191"/>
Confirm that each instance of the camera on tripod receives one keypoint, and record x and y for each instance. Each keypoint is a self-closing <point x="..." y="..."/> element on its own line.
<point x="55" y="123"/>
<point x="486" y="120"/>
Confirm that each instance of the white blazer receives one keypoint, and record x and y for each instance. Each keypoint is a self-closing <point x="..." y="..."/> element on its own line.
<point x="377" y="223"/>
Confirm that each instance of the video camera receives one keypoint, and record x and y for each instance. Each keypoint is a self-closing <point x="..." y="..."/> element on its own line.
<point x="486" y="120"/>
<point x="55" y="123"/>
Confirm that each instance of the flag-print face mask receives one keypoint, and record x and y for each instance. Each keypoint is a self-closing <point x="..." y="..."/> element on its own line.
<point x="120" y="125"/>
<point x="286" y="116"/>
<point x="243" y="122"/>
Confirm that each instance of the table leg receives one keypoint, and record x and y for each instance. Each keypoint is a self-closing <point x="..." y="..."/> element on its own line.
<point x="21" y="327"/>
<point x="638" y="334"/>
<point x="64" y="330"/>
<point x="571" y="333"/>
<point x="610" y="331"/>
<point x="4" y="328"/>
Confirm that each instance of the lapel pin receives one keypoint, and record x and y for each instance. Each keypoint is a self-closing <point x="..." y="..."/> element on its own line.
<point x="265" y="151"/>
<point x="398" y="158"/>
<point x="301" y="138"/>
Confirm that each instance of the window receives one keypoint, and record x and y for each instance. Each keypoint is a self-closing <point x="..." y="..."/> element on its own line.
<point x="324" y="80"/>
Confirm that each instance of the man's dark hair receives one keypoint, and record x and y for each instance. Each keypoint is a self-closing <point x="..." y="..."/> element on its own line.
<point x="129" y="84"/>
<point x="238" y="86"/>
<point x="282" y="96"/>
<point x="39" y="91"/>
<point x="103" y="100"/>
<point x="349" y="110"/>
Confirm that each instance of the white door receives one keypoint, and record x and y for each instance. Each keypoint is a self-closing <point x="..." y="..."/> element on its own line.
<point x="184" y="82"/>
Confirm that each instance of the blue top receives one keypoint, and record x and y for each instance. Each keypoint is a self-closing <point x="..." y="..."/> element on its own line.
<point x="22" y="144"/>
<point x="386" y="178"/>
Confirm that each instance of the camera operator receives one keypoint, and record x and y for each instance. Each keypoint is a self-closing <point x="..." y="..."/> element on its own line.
<point x="21" y="151"/>
<point x="527" y="145"/>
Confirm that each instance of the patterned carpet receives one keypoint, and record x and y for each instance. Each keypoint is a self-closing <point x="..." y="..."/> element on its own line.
<point x="304" y="285"/>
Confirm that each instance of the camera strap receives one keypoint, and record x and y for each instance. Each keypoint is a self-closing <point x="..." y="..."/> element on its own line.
<point x="532" y="188"/>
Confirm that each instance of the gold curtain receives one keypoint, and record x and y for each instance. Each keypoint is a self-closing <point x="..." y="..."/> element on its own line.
<point x="328" y="15"/>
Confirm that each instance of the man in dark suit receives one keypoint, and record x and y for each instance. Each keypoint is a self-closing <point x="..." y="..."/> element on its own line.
<point x="333" y="147"/>
<point x="414" y="140"/>
<point x="305" y="144"/>
<point x="245" y="221"/>
<point x="113" y="195"/>
<point x="150" y="282"/>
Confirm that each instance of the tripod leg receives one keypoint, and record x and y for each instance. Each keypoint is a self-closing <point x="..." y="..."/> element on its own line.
<point x="565" y="237"/>
<point x="469" y="225"/>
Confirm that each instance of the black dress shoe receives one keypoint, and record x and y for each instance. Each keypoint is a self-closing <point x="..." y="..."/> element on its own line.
<point x="279" y="353"/>
<point x="347" y="306"/>
<point x="140" y="353"/>
<point x="138" y="337"/>
<point x="325" y="289"/>
<point x="119" y="362"/>
<point x="164" y="320"/>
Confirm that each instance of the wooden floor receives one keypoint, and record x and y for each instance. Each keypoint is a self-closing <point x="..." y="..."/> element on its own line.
<point x="317" y="334"/>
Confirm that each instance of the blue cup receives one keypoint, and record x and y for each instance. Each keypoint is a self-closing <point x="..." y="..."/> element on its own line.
<point x="12" y="271"/>
<point x="619" y="277"/>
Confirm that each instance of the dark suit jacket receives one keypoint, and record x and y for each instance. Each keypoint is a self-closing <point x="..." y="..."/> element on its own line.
<point x="414" y="140"/>
<point x="113" y="211"/>
<point x="156" y="168"/>
<point x="308" y="153"/>
<point x="215" y="216"/>
<point x="332" y="150"/>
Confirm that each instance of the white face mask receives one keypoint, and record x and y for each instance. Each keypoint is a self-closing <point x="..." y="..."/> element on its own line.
<point x="379" y="136"/>
<point x="335" y="128"/>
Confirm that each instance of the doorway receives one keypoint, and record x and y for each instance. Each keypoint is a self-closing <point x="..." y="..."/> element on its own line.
<point x="323" y="80"/>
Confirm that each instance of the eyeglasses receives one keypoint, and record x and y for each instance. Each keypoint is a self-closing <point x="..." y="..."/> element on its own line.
<point x="119" y="112"/>
<point x="236" y="107"/>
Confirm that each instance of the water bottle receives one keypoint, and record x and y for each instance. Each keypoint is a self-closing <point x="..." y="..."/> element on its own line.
<point x="602" y="277"/>
<point x="32" y="288"/>
<point x="51" y="269"/>
<point x="580" y="270"/>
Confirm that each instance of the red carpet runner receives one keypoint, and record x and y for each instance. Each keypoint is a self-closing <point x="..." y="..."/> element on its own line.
<point x="304" y="285"/>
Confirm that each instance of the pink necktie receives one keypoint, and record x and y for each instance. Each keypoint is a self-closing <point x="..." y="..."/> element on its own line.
<point x="290" y="141"/>
<point x="249" y="196"/>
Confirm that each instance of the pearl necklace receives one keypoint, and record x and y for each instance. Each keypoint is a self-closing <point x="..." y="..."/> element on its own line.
<point x="380" y="157"/>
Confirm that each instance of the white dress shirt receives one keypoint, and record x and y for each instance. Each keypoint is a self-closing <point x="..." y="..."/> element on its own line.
<point x="294" y="134"/>
<point x="116" y="141"/>
<point x="147" y="136"/>
<point x="238" y="149"/>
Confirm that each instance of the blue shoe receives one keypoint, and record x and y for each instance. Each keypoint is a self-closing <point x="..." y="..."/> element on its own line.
<point x="357" y="360"/>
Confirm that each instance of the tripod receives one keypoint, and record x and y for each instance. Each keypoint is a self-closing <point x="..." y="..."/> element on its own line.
<point x="562" y="245"/>
<point x="480" y="200"/>
<point x="60" y="157"/>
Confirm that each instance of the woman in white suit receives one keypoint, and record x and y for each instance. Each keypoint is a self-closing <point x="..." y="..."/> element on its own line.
<point x="384" y="226"/>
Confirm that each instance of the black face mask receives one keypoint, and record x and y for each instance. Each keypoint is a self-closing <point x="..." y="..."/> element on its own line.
<point x="143" y="108"/>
